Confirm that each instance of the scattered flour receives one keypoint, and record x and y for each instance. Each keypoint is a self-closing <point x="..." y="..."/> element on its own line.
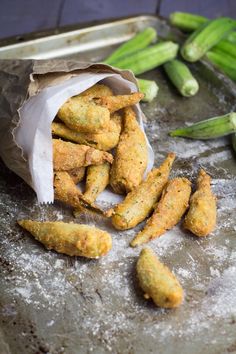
<point x="97" y="303"/>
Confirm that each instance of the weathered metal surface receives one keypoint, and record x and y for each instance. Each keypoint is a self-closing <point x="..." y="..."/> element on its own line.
<point x="78" y="40"/>
<point x="54" y="304"/>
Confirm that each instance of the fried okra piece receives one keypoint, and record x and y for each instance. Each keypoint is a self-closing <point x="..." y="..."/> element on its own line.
<point x="67" y="156"/>
<point x="68" y="238"/>
<point x="65" y="189"/>
<point x="67" y="192"/>
<point x="131" y="156"/>
<point x="84" y="115"/>
<point x="201" y="217"/>
<point x="105" y="140"/>
<point x="157" y="281"/>
<point x="77" y="174"/>
<point x="168" y="212"/>
<point x="96" y="181"/>
<point x="138" y="204"/>
<point x="97" y="90"/>
<point x="114" y="103"/>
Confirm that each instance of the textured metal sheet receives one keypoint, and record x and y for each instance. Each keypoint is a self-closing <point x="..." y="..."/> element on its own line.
<point x="54" y="304"/>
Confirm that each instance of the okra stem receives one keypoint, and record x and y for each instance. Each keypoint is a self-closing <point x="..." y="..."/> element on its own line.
<point x="209" y="128"/>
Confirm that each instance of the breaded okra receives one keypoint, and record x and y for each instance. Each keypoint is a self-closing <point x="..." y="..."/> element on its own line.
<point x="131" y="156"/>
<point x="201" y="217"/>
<point x="77" y="174"/>
<point x="138" y="204"/>
<point x="157" y="281"/>
<point x="67" y="192"/>
<point x="84" y="115"/>
<point x="115" y="103"/>
<point x="104" y="140"/>
<point x="96" y="181"/>
<point x="71" y="239"/>
<point x="67" y="156"/>
<point x="65" y="189"/>
<point x="97" y="90"/>
<point x="168" y="212"/>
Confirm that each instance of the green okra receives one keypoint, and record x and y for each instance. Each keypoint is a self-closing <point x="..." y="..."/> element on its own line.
<point x="206" y="37"/>
<point x="224" y="62"/>
<point x="149" y="88"/>
<point x="232" y="37"/>
<point x="181" y="77"/>
<point x="148" y="58"/>
<point x="140" y="41"/>
<point x="210" y="128"/>
<point x="186" y="21"/>
<point x="190" y="22"/>
<point x="225" y="47"/>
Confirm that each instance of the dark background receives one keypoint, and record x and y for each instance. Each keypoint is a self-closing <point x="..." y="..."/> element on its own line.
<point x="23" y="16"/>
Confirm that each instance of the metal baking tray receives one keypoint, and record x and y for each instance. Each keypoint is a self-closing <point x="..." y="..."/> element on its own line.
<point x="51" y="303"/>
<point x="80" y="40"/>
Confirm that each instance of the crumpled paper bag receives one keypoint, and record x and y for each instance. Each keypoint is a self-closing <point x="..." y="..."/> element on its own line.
<point x="31" y="94"/>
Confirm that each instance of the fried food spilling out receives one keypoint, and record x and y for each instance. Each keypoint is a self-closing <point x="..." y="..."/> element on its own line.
<point x="201" y="217"/>
<point x="157" y="281"/>
<point x="105" y="140"/>
<point x="115" y="103"/>
<point x="96" y="181"/>
<point x="131" y="156"/>
<point x="138" y="204"/>
<point x="69" y="238"/>
<point x="67" y="156"/>
<point x="168" y="212"/>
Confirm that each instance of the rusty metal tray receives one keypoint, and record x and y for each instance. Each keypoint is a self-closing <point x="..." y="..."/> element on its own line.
<point x="55" y="304"/>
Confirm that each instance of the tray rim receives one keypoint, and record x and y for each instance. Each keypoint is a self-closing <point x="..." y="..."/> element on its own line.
<point x="40" y="36"/>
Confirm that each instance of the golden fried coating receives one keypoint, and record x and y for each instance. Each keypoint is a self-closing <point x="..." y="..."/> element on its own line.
<point x="67" y="192"/>
<point x="67" y="156"/>
<point x="168" y="212"/>
<point x="105" y="140"/>
<point x="97" y="90"/>
<point x="77" y="174"/>
<point x="157" y="281"/>
<point x="96" y="181"/>
<point x="114" y="103"/>
<point x="131" y="156"/>
<point x="65" y="189"/>
<point x="201" y="217"/>
<point x="71" y="239"/>
<point x="84" y="115"/>
<point x="138" y="204"/>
